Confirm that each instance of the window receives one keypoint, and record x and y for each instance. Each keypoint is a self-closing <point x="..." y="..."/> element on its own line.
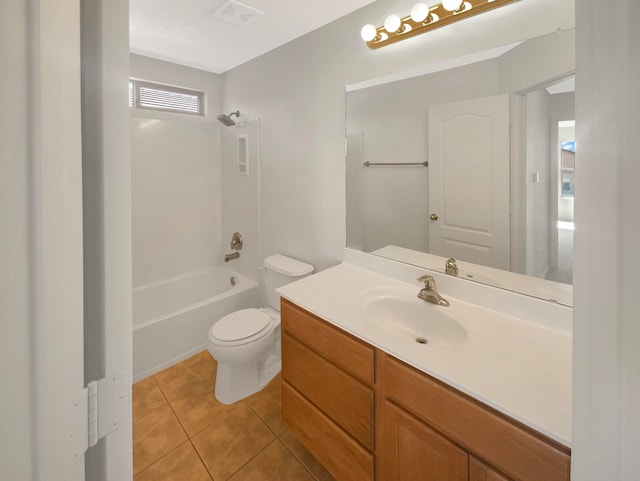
<point x="568" y="169"/>
<point x="153" y="96"/>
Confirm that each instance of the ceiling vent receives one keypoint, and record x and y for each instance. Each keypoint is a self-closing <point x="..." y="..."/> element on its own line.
<point x="236" y="12"/>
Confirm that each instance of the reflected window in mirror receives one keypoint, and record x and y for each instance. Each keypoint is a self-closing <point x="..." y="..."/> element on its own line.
<point x="568" y="166"/>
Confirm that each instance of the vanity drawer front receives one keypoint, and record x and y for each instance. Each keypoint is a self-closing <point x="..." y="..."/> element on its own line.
<point x="343" y="457"/>
<point x="345" y="400"/>
<point x="513" y="449"/>
<point x="344" y="350"/>
<point x="478" y="471"/>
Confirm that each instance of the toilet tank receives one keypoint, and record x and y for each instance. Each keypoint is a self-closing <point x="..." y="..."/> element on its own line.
<point x="280" y="270"/>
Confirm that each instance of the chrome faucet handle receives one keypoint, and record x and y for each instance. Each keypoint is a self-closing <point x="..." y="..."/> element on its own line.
<point x="429" y="292"/>
<point x="237" y="241"/>
<point x="451" y="267"/>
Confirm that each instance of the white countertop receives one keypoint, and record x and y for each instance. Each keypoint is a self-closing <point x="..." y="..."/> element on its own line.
<point x="519" y="367"/>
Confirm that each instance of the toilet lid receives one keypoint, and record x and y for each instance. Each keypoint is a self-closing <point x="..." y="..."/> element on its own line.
<point x="241" y="325"/>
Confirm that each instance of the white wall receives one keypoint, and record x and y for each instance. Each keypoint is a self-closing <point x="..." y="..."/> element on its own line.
<point x="298" y="92"/>
<point x="549" y="57"/>
<point x="606" y="421"/>
<point x="538" y="190"/>
<point x="176" y="179"/>
<point x="16" y="400"/>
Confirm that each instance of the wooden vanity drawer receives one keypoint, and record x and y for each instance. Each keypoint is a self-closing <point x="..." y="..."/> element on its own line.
<point x="511" y="447"/>
<point x="344" y="399"/>
<point x="478" y="471"/>
<point x="343" y="457"/>
<point x="344" y="350"/>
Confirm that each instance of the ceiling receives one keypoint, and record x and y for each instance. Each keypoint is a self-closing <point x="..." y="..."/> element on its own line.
<point x="217" y="35"/>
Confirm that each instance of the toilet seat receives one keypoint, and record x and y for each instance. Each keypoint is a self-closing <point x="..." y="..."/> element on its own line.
<point x="241" y="327"/>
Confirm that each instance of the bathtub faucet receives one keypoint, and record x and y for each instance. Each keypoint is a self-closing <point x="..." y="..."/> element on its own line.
<point x="229" y="257"/>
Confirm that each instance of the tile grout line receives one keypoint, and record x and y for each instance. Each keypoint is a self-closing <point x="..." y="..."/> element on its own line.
<point x="252" y="458"/>
<point x="148" y="412"/>
<point x="172" y="409"/>
<point x="300" y="460"/>
<point x="263" y="421"/>
<point x="160" y="459"/>
<point x="209" y="424"/>
<point x="193" y="446"/>
<point x="249" y="460"/>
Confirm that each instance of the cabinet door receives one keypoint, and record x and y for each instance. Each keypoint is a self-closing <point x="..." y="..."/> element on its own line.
<point x="478" y="471"/>
<point x="412" y="451"/>
<point x="521" y="453"/>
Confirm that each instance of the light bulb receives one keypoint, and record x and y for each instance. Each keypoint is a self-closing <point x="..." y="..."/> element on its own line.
<point x="368" y="32"/>
<point x="392" y="23"/>
<point x="419" y="12"/>
<point x="451" y="5"/>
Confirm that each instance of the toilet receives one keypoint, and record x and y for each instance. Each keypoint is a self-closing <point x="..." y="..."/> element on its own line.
<point x="246" y="343"/>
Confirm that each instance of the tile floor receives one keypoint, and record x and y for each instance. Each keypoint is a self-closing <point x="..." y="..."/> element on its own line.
<point x="182" y="433"/>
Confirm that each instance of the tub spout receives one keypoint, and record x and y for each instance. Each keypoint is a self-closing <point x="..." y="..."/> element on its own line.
<point x="229" y="257"/>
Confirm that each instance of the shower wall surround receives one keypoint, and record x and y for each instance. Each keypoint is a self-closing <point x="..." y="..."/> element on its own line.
<point x="176" y="179"/>
<point x="240" y="193"/>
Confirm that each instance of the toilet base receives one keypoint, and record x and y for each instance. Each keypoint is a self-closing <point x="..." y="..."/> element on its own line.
<point x="235" y="382"/>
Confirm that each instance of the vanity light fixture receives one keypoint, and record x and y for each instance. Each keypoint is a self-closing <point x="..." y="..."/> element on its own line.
<point x="424" y="18"/>
<point x="452" y="5"/>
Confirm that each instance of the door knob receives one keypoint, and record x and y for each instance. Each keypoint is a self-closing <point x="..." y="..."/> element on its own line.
<point x="433" y="216"/>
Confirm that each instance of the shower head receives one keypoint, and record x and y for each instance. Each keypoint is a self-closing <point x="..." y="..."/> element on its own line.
<point x="226" y="119"/>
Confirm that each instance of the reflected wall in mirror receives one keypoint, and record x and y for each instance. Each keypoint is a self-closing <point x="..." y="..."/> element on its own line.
<point x="494" y="193"/>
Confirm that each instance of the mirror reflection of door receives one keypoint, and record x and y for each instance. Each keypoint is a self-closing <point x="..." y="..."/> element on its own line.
<point x="469" y="154"/>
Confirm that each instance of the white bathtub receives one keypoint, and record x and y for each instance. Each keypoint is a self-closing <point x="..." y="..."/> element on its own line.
<point x="171" y="318"/>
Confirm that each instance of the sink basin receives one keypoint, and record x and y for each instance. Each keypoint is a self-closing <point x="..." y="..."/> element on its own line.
<point x="398" y="311"/>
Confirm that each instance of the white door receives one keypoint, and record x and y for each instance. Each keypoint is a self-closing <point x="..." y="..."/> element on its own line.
<point x="469" y="181"/>
<point x="42" y="145"/>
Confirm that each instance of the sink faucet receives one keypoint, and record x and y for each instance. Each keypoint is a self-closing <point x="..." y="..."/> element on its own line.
<point x="451" y="267"/>
<point x="429" y="292"/>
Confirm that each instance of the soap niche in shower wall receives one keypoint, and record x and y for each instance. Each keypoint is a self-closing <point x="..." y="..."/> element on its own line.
<point x="243" y="155"/>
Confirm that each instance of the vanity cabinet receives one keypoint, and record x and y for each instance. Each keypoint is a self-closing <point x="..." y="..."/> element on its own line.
<point x="355" y="407"/>
<point x="519" y="452"/>
<point x="327" y="393"/>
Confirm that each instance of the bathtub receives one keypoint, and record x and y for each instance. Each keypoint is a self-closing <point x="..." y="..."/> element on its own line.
<point x="171" y="318"/>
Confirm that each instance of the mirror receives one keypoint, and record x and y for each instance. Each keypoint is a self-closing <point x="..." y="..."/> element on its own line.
<point x="467" y="162"/>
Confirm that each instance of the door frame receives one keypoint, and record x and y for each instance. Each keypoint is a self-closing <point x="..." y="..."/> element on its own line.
<point x="519" y="178"/>
<point x="107" y="217"/>
<point x="80" y="319"/>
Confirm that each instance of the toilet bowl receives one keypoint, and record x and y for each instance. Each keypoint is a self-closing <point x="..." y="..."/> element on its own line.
<point x="246" y="343"/>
